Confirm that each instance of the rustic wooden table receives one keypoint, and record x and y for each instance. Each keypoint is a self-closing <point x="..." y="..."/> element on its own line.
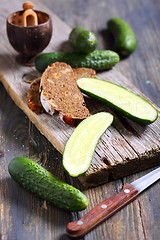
<point x="23" y="216"/>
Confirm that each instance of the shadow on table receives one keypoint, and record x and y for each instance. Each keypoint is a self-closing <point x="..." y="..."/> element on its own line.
<point x="31" y="215"/>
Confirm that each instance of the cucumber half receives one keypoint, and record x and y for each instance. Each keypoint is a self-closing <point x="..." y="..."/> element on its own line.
<point x="121" y="99"/>
<point x="80" y="147"/>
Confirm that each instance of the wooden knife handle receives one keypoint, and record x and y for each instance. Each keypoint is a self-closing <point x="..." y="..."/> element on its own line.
<point x="101" y="212"/>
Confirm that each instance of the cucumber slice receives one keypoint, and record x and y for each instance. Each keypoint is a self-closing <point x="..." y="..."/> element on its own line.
<point x="121" y="99"/>
<point x="80" y="147"/>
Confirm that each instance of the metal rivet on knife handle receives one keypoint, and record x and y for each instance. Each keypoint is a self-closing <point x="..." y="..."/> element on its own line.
<point x="126" y="190"/>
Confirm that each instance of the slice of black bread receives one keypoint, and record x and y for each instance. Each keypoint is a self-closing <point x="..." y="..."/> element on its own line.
<point x="33" y="97"/>
<point x="84" y="72"/>
<point x="60" y="93"/>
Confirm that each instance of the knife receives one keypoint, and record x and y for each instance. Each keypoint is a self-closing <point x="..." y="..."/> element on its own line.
<point x="108" y="207"/>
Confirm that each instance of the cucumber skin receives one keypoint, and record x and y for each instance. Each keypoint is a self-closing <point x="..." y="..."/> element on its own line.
<point x="83" y="40"/>
<point x="74" y="34"/>
<point x="41" y="182"/>
<point x="98" y="60"/>
<point x="125" y="39"/>
<point x="139" y="120"/>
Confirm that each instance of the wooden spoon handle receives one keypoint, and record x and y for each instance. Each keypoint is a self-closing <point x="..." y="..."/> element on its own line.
<point x="101" y="212"/>
<point x="29" y="17"/>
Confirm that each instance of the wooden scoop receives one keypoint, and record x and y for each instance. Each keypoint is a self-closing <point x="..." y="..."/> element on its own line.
<point x="29" y="17"/>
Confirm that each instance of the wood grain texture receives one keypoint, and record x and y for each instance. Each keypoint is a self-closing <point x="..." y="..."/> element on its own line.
<point x="22" y="215"/>
<point x="124" y="148"/>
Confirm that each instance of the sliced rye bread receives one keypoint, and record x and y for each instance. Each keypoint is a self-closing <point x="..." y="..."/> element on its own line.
<point x="84" y="72"/>
<point x="33" y="95"/>
<point x="60" y="93"/>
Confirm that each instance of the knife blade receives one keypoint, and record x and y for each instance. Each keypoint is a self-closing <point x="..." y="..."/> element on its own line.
<point x="108" y="207"/>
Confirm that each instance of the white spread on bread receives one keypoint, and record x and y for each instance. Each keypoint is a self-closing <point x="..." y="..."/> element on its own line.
<point x="46" y="105"/>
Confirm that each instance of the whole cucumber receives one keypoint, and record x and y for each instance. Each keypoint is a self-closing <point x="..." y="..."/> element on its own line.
<point x="83" y="40"/>
<point x="124" y="37"/>
<point x="41" y="182"/>
<point x="97" y="60"/>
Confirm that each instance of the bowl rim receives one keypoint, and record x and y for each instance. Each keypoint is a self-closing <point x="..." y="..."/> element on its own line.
<point x="44" y="23"/>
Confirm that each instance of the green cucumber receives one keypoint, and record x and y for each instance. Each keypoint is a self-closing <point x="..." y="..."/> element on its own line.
<point x="83" y="40"/>
<point x="124" y="37"/>
<point x="79" y="150"/>
<point x="98" y="60"/>
<point x="41" y="182"/>
<point x="121" y="99"/>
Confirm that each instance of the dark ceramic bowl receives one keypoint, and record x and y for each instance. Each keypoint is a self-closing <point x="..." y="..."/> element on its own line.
<point x="29" y="41"/>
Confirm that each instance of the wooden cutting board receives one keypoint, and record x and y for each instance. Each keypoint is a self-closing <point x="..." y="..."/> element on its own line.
<point x="125" y="148"/>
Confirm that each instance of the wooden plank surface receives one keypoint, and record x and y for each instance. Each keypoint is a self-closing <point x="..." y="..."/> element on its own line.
<point x="124" y="148"/>
<point x="22" y="215"/>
